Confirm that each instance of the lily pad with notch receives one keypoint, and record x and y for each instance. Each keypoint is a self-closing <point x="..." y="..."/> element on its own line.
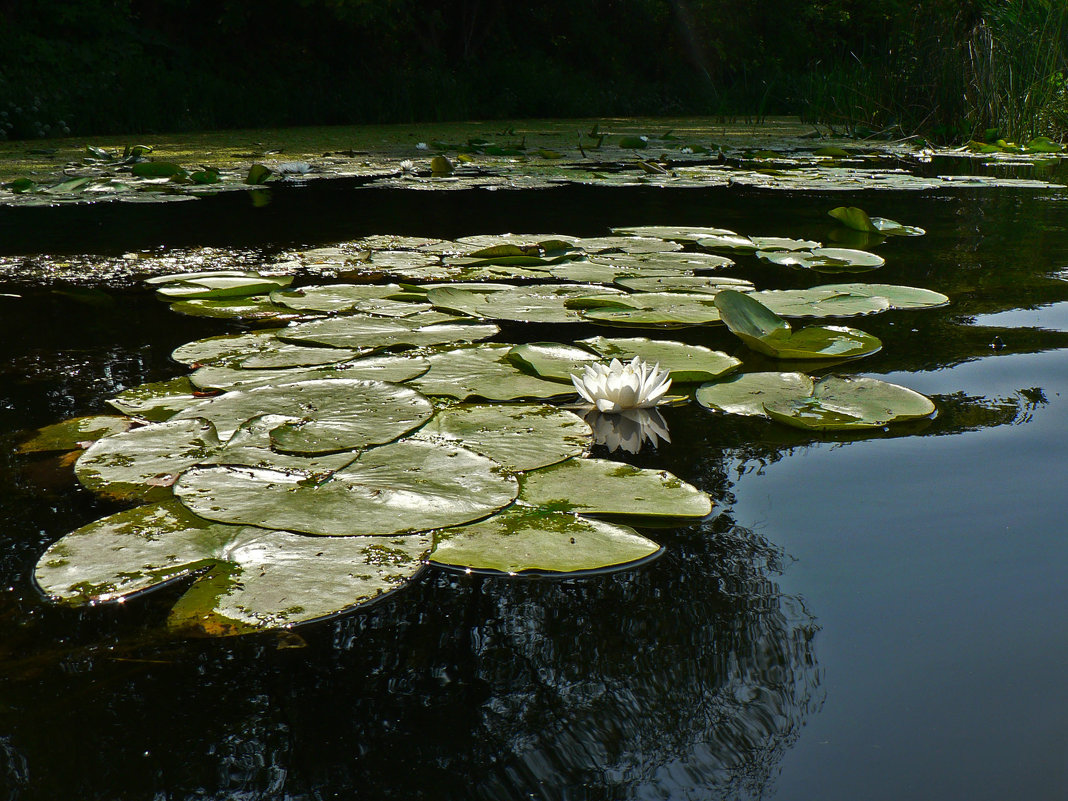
<point x="483" y="371"/>
<point x="365" y="331"/>
<point x="158" y="400"/>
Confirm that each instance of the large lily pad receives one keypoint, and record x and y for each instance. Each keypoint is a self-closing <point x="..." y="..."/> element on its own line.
<point x="747" y="393"/>
<point x="603" y="487"/>
<point x="684" y="363"/>
<point x="257" y="579"/>
<point x="710" y="285"/>
<point x="521" y="436"/>
<point x="685" y="235"/>
<point x="765" y="332"/>
<point x="825" y="260"/>
<point x="364" y="331"/>
<point x="257" y="308"/>
<point x="225" y="348"/>
<point x="407" y="486"/>
<point x="75" y="433"/>
<point x="654" y="309"/>
<point x="157" y="401"/>
<point x="848" y="300"/>
<point x="396" y="369"/>
<point x="532" y="304"/>
<point x="143" y="463"/>
<point x="216" y="288"/>
<point x="334" y="414"/>
<point x="653" y="263"/>
<point x="522" y="539"/>
<point x="858" y="220"/>
<point x="332" y="298"/>
<point x="482" y="371"/>
<point x="252" y="446"/>
<point x="555" y="361"/>
<point x="842" y="404"/>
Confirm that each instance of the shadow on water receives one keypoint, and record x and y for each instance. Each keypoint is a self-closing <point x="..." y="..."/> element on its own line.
<point x="690" y="677"/>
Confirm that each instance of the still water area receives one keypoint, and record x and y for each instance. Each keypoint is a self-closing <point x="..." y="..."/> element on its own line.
<point x="863" y="617"/>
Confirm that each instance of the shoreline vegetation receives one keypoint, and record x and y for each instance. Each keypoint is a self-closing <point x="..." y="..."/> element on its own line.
<point x="949" y="71"/>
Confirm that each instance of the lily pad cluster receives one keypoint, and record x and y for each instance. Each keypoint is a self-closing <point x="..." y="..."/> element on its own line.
<point x="377" y="428"/>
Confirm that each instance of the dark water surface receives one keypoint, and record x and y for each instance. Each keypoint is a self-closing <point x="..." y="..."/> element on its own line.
<point x="863" y="618"/>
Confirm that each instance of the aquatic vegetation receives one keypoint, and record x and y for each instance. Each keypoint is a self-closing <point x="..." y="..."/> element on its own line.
<point x="305" y="469"/>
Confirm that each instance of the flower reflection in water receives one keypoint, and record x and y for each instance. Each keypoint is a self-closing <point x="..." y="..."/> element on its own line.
<point x="628" y="430"/>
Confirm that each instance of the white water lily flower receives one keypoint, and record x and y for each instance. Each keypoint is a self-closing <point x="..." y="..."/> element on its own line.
<point x="407" y="165"/>
<point x="293" y="168"/>
<point x="421" y="146"/>
<point x="617" y="386"/>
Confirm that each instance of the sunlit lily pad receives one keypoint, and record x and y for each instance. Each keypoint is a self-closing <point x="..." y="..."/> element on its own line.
<point x="379" y="368"/>
<point x="407" y="486"/>
<point x="332" y="298"/>
<point x="256" y="579"/>
<point x="75" y="433"/>
<point x="848" y="300"/>
<point x="709" y="285"/>
<point x="482" y="371"/>
<point x="157" y="401"/>
<point x="603" y="487"/>
<point x="858" y="220"/>
<point x="683" y="234"/>
<point x="282" y="355"/>
<point x="827" y="260"/>
<point x="521" y="436"/>
<point x="251" y="445"/>
<point x="654" y="309"/>
<point x="684" y="363"/>
<point x="257" y="308"/>
<point x="627" y="244"/>
<point x="363" y="331"/>
<point x="729" y="242"/>
<point x="555" y="361"/>
<point x="222" y="287"/>
<point x="178" y="278"/>
<point x="543" y="303"/>
<point x="841" y="404"/>
<point x="746" y="394"/>
<point x="337" y="414"/>
<point x="780" y="243"/>
<point x="766" y="332"/>
<point x="522" y="539"/>
<point x="665" y="263"/>
<point x="225" y="348"/>
<point x="142" y="464"/>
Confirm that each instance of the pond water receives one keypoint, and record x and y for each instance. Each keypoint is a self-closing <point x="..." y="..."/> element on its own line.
<point x="876" y="617"/>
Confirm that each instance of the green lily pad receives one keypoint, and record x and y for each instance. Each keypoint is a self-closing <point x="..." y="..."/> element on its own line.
<point x="779" y="243"/>
<point x="521" y="436"/>
<point x="225" y="348"/>
<point x="334" y="414"/>
<point x="683" y="363"/>
<point x="766" y="332"/>
<point x="827" y="260"/>
<point x="256" y="579"/>
<point x="552" y="360"/>
<point x="746" y="394"/>
<point x="404" y="487"/>
<point x="222" y="287"/>
<point x="603" y="487"/>
<point x="665" y="263"/>
<point x="543" y="303"/>
<point x="282" y="355"/>
<point x="626" y="244"/>
<point x="251" y="445"/>
<point x="858" y="220"/>
<point x="178" y="278"/>
<point x="253" y="309"/>
<point x="332" y="298"/>
<point x="729" y="242"/>
<point x="363" y="331"/>
<point x="395" y="369"/>
<point x="75" y="433"/>
<point x="158" y="400"/>
<point x="482" y="371"/>
<point x="522" y="539"/>
<point x="683" y="234"/>
<point x="142" y="464"/>
<point x="654" y="309"/>
<point x="842" y="404"/>
<point x="704" y="284"/>
<point x="848" y="300"/>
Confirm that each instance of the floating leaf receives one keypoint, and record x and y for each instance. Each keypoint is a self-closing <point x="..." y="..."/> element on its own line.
<point x="848" y="300"/>
<point x="257" y="579"/>
<point x="858" y="220"/>
<point x="747" y="393"/>
<point x="840" y="404"/>
<point x="658" y="263"/>
<point x="158" y="169"/>
<point x="552" y="360"/>
<point x="600" y="486"/>
<point x="543" y="303"/>
<point x="765" y="332"/>
<point x="256" y="308"/>
<point x="332" y="298"/>
<point x="258" y="174"/>
<point x="685" y="235"/>
<point x="335" y="414"/>
<point x="828" y="260"/>
<point x="222" y="287"/>
<point x="482" y="371"/>
<point x="655" y="309"/>
<point x="521" y="436"/>
<point x="364" y="331"/>
<point x="225" y="348"/>
<point x="177" y="278"/>
<point x="286" y="354"/>
<point x="379" y="368"/>
<point x="72" y="434"/>
<point x="406" y="486"/>
<point x="521" y="540"/>
<point x="157" y="401"/>
<point x="141" y="464"/>
<point x="708" y="285"/>
<point x="684" y="363"/>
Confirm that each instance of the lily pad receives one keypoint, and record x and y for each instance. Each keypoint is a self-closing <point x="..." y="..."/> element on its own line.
<point x="684" y="363"/>
<point x="257" y="308"/>
<point x="75" y="433"/>
<point x="746" y="394"/>
<point x="827" y="260"/>
<point x="604" y="487"/>
<point x="766" y="332"/>
<point x="282" y="355"/>
<point x="332" y="298"/>
<point x="404" y="487"/>
<point x="627" y="244"/>
<point x="482" y="371"/>
<point x="142" y="464"/>
<point x="396" y="369"/>
<point x="654" y="309"/>
<point x="704" y="284"/>
<point x="363" y="331"/>
<point x="158" y="400"/>
<point x="683" y="234"/>
<point x="522" y="539"/>
<point x="665" y="263"/>
<point x="521" y="436"/>
<point x="335" y="414"/>
<point x="256" y="579"/>
<point x="228" y="347"/>
<point x="222" y="287"/>
<point x="178" y="278"/>
<point x="858" y="220"/>
<point x="543" y="303"/>
<point x="842" y="404"/>
<point x="848" y="300"/>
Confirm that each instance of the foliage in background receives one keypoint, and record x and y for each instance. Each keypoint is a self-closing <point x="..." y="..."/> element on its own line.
<point x="950" y="68"/>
